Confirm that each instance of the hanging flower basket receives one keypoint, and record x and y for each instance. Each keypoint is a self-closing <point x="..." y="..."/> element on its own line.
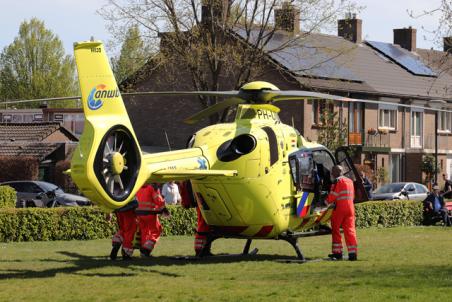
<point x="383" y="131"/>
<point x="372" y="131"/>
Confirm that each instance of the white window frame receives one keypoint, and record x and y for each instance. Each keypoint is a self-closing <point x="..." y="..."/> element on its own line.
<point x="392" y="110"/>
<point x="421" y="128"/>
<point x="316" y="112"/>
<point x="445" y="127"/>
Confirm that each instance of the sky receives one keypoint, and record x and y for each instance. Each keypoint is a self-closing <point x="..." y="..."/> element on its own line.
<point x="77" y="20"/>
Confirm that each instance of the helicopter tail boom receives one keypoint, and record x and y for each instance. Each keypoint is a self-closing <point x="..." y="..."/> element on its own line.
<point x="180" y="165"/>
<point x="107" y="164"/>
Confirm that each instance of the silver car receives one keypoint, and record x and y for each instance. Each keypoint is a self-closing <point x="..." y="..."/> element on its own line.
<point x="43" y="194"/>
<point x="401" y="190"/>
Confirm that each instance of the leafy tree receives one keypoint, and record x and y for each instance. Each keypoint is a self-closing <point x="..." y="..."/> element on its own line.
<point x="133" y="55"/>
<point x="333" y="130"/>
<point x="210" y="40"/>
<point x="428" y="167"/>
<point x="35" y="66"/>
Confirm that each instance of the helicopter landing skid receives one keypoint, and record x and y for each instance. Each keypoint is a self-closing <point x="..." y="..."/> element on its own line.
<point x="211" y="256"/>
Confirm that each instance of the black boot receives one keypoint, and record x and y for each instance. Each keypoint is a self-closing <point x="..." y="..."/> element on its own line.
<point x="125" y="256"/>
<point x="335" y="256"/>
<point x="352" y="257"/>
<point x="145" y="253"/>
<point x="114" y="251"/>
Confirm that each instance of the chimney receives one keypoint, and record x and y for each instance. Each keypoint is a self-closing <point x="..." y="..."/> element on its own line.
<point x="448" y="44"/>
<point x="216" y="9"/>
<point x="350" y="28"/>
<point x="406" y="38"/>
<point x="287" y="18"/>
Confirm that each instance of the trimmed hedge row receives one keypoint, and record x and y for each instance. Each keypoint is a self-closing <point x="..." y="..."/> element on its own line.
<point x="82" y="223"/>
<point x="388" y="213"/>
<point x="36" y="224"/>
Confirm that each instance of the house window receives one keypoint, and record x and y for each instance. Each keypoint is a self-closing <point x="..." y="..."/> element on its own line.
<point x="416" y="129"/>
<point x="319" y="108"/>
<point x="387" y="118"/>
<point x="444" y="121"/>
<point x="37" y="117"/>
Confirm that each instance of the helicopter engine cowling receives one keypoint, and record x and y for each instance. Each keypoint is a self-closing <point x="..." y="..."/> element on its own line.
<point x="238" y="146"/>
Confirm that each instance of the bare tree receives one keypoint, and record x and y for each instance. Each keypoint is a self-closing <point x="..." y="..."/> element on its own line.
<point x="216" y="40"/>
<point x="441" y="35"/>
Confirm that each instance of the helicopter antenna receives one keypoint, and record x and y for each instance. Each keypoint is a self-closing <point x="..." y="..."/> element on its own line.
<point x="167" y="140"/>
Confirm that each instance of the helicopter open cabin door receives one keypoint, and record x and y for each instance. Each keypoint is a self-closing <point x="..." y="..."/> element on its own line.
<point x="343" y="159"/>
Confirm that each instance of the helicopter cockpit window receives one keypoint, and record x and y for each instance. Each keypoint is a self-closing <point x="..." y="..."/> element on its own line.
<point x="302" y="166"/>
<point x="342" y="160"/>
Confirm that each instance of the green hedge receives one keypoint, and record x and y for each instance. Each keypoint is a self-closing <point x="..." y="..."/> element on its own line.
<point x="42" y="224"/>
<point x="7" y="197"/>
<point x="388" y="213"/>
<point x="33" y="224"/>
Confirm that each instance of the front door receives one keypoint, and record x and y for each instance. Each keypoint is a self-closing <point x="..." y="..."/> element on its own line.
<point x="355" y="123"/>
<point x="344" y="159"/>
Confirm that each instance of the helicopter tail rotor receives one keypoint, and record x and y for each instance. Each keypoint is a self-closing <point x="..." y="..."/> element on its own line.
<point x="107" y="164"/>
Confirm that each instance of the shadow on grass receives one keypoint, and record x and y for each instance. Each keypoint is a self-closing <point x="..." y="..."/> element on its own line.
<point x="79" y="263"/>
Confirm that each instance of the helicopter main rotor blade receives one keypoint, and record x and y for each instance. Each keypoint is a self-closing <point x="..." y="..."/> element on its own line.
<point x="298" y="95"/>
<point x="218" y="107"/>
<point x="64" y="98"/>
<point x="231" y="93"/>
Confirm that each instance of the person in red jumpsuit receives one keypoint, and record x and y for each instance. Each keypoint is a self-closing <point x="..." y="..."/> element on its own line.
<point x="342" y="194"/>
<point x="127" y="222"/>
<point x="150" y="204"/>
<point x="202" y="248"/>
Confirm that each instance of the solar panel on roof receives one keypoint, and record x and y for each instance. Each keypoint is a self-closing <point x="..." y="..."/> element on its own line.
<point x="304" y="59"/>
<point x="403" y="58"/>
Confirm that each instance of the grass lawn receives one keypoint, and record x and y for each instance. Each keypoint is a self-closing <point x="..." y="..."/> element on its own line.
<point x="412" y="264"/>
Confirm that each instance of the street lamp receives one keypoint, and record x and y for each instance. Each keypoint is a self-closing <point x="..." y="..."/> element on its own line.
<point x="436" y="104"/>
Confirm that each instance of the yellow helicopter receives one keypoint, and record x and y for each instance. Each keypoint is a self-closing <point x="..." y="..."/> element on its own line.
<point x="254" y="178"/>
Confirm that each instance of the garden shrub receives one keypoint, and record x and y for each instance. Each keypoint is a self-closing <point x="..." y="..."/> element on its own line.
<point x="388" y="213"/>
<point x="18" y="168"/>
<point x="7" y="197"/>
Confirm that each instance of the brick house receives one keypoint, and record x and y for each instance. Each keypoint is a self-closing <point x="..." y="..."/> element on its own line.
<point x="48" y="142"/>
<point x="385" y="137"/>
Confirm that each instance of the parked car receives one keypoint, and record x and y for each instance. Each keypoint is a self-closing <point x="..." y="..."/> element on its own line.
<point x="43" y="194"/>
<point x="401" y="190"/>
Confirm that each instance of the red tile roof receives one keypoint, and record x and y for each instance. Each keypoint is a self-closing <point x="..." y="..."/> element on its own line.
<point x="38" y="150"/>
<point x="31" y="132"/>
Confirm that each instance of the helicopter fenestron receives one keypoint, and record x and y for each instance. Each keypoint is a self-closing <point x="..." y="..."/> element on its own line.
<point x="254" y="178"/>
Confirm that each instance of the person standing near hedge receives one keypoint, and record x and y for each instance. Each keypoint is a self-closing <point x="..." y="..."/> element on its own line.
<point x="447" y="190"/>
<point x="150" y="204"/>
<point x="342" y="194"/>
<point x="170" y="193"/>
<point x="202" y="246"/>
<point x="127" y="223"/>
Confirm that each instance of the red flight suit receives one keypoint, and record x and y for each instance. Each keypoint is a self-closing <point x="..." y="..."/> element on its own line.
<point x="150" y="203"/>
<point x="201" y="233"/>
<point x="188" y="201"/>
<point x="127" y="222"/>
<point x="342" y="193"/>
